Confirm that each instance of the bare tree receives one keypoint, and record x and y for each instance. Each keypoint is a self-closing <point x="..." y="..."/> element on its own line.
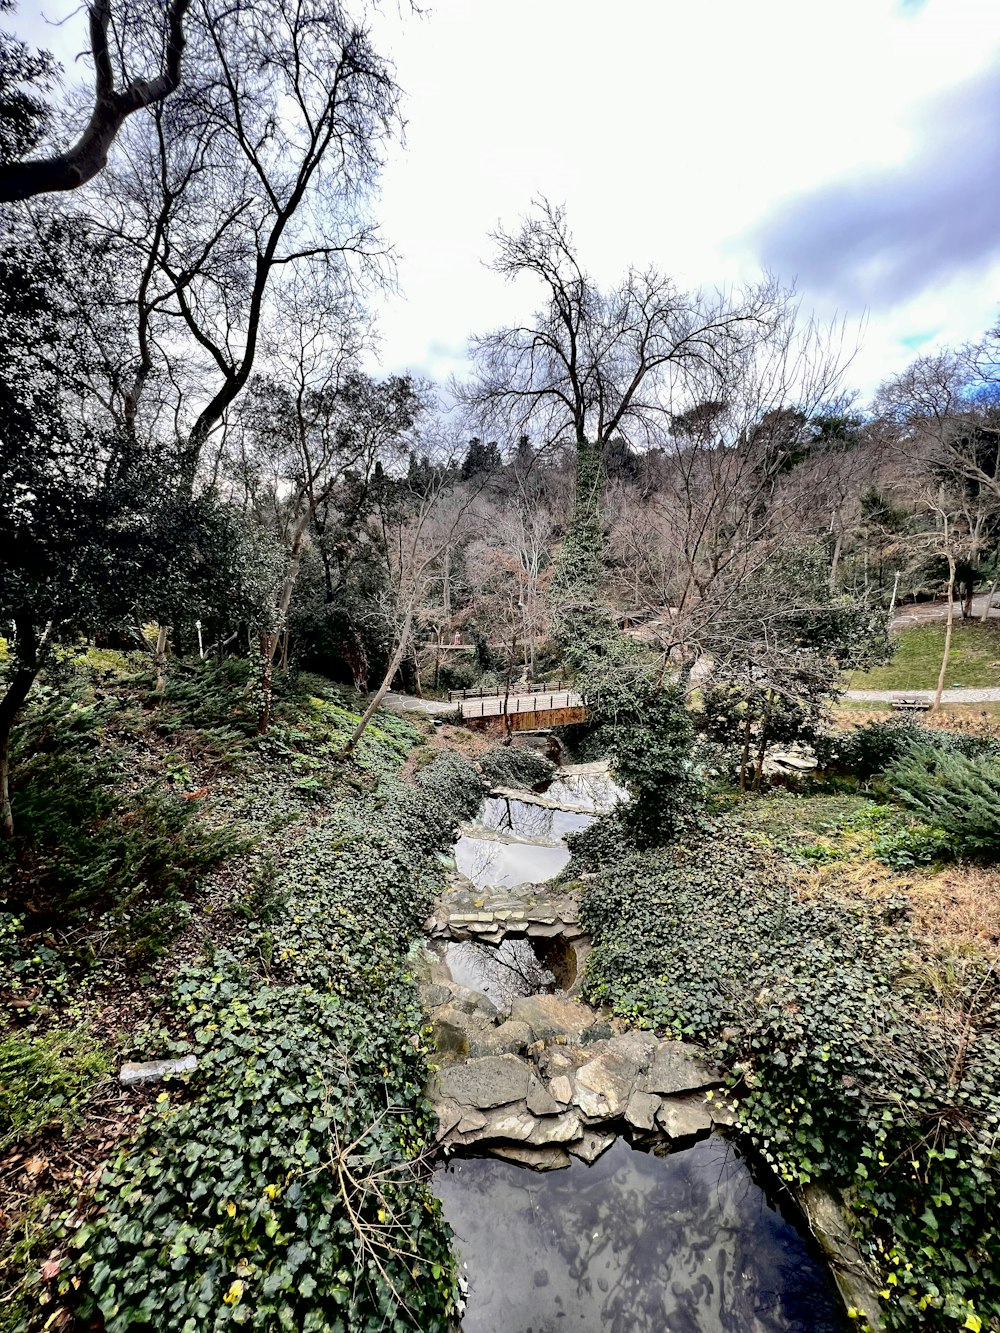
<point x="259" y="166"/>
<point x="416" y="534"/>
<point x="312" y="422"/>
<point x="129" y="39"/>
<point x="594" y="364"/>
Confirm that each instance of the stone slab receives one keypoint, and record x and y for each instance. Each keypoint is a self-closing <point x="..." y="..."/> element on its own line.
<point x="135" y="1073"/>
<point x="484" y="1083"/>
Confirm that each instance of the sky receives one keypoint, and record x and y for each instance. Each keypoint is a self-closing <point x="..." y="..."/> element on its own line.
<point x="853" y="149"/>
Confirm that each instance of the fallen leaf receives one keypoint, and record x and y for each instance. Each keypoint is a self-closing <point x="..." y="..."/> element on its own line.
<point x="36" y="1165"/>
<point x="50" y="1269"/>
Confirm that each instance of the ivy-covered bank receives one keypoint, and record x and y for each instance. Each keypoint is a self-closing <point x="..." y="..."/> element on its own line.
<point x="862" y="1063"/>
<point x="281" y="1186"/>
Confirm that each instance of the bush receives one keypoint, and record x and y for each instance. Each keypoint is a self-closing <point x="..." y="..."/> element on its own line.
<point x="871" y="748"/>
<point x="291" y="1191"/>
<point x="91" y="836"/>
<point x="953" y="792"/>
<point x="45" y="1082"/>
<point x="512" y="766"/>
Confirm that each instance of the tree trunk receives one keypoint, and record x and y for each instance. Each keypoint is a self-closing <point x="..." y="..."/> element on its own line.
<point x="745" y="757"/>
<point x="762" y="747"/>
<point x="383" y="689"/>
<point x="835" y="563"/>
<point x="989" y="601"/>
<point x="267" y="641"/>
<point x="18" y="687"/>
<point x="892" y="599"/>
<point x="160" y="658"/>
<point x="942" y="675"/>
<point x="508" y="730"/>
<point x="970" y="584"/>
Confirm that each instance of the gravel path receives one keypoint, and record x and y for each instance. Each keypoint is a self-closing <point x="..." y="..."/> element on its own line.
<point x="989" y="695"/>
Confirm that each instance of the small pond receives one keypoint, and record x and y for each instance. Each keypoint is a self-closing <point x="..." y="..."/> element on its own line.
<point x="687" y="1242"/>
<point x="504" y="814"/>
<point x="487" y="861"/>
<point x="502" y="972"/>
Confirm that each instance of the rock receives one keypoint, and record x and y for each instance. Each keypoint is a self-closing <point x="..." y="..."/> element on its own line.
<point x="449" y="1117"/>
<point x="516" y="1124"/>
<point x="685" y="1117"/>
<point x="506" y="1038"/>
<point x="468" y="1001"/>
<point x="561" y="1089"/>
<point x="433" y="996"/>
<point x="641" y="1110"/>
<point x="471" y="1121"/>
<point x="722" y="1110"/>
<point x="831" y="1223"/>
<point x="679" y="1067"/>
<point x="491" y="1080"/>
<point x="536" y="1159"/>
<point x="539" y="1099"/>
<point x="604" y="1085"/>
<point x="455" y="1032"/>
<point x="591" y="1145"/>
<point x="551" y="1016"/>
<point x="151" y="1071"/>
<point x="561" y="1059"/>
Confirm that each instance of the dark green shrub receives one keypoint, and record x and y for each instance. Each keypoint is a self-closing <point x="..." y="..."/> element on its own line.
<point x="952" y="792"/>
<point x="45" y="1081"/>
<point x="511" y="766"/>
<point x="872" y="747"/>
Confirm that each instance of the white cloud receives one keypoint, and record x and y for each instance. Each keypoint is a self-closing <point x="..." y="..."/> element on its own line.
<point x="669" y="129"/>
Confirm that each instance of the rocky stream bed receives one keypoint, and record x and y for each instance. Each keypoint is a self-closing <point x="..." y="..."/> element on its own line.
<point x="637" y="1211"/>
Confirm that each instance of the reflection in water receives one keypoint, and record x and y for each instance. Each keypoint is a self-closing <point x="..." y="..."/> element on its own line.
<point x="685" y="1243"/>
<point x="590" y="791"/>
<point x="502" y="814"/>
<point x="507" y="863"/>
<point x="501" y="971"/>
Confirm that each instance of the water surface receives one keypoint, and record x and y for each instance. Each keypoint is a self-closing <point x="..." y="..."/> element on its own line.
<point x="504" y="814"/>
<point x="504" y="864"/>
<point x="636" y="1243"/>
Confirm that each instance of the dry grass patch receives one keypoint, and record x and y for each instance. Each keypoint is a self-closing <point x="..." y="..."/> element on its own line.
<point x="954" y="909"/>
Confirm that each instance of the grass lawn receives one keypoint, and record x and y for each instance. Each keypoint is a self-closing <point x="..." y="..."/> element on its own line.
<point x="918" y="660"/>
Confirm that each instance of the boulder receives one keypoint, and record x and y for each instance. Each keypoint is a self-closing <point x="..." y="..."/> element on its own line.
<point x="552" y="1016"/>
<point x="539" y="1100"/>
<point x="455" y="1032"/>
<point x="685" y="1117"/>
<point x="641" y="1110"/>
<point x="491" y="1080"/>
<point x="516" y="1124"/>
<point x="535" y="1159"/>
<point x="136" y="1073"/>
<point x="591" y="1145"/>
<point x="561" y="1089"/>
<point x="605" y="1084"/>
<point x="468" y="1001"/>
<point x="505" y="1038"/>
<point x="677" y="1066"/>
<point x="433" y="995"/>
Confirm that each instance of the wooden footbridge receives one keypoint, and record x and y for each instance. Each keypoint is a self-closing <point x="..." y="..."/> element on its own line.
<point x="521" y="710"/>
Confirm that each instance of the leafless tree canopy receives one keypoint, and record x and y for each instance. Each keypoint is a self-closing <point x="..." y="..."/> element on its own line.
<point x="594" y="365"/>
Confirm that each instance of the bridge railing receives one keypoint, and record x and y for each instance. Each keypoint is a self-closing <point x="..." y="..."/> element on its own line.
<point x="524" y="703"/>
<point x="460" y="696"/>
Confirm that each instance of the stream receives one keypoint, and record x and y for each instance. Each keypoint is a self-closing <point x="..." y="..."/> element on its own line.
<point x="628" y="1231"/>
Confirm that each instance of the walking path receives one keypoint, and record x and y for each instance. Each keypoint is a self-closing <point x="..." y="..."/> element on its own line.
<point x="988" y="695"/>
